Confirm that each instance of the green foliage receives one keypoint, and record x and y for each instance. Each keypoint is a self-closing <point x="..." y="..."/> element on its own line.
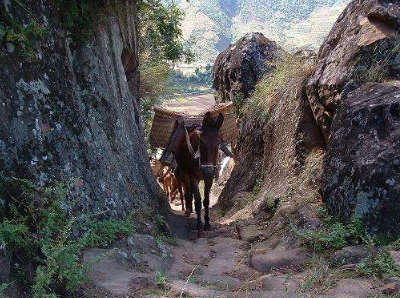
<point x="256" y="189"/>
<point x="160" y="34"/>
<point x="378" y="265"/>
<point x="238" y="103"/>
<point x="3" y="289"/>
<point x="161" y="278"/>
<point x="103" y="233"/>
<point x="78" y="16"/>
<point x="333" y="234"/>
<point x="37" y="229"/>
<point x="22" y="36"/>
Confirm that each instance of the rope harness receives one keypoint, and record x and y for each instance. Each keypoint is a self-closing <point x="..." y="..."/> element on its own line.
<point x="197" y="155"/>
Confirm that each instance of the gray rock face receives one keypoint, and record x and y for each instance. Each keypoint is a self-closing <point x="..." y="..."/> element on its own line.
<point x="72" y="114"/>
<point x="362" y="163"/>
<point x="365" y="33"/>
<point x="237" y="70"/>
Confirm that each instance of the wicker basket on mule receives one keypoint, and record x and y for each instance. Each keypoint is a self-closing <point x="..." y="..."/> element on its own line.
<point x="165" y="123"/>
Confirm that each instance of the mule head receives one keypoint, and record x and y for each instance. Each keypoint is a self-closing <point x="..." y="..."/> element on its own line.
<point x="210" y="139"/>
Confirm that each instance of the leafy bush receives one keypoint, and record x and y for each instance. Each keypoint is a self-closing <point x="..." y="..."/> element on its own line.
<point x="161" y="278"/>
<point x="21" y="36"/>
<point x="103" y="233"/>
<point x="37" y="229"/>
<point x="160" y="34"/>
<point x="378" y="265"/>
<point x="78" y="16"/>
<point x="256" y="189"/>
<point x="333" y="234"/>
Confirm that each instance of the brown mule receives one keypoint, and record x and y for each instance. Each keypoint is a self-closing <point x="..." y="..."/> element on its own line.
<point x="197" y="158"/>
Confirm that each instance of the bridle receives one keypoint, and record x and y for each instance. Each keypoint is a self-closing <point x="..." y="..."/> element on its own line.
<point x="197" y="154"/>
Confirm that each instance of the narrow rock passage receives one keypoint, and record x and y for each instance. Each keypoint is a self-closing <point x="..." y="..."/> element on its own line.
<point x="225" y="262"/>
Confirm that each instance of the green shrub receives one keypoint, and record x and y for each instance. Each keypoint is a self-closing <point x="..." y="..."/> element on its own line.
<point x="3" y="289"/>
<point x="378" y="265"/>
<point x="78" y="15"/>
<point x="103" y="233"/>
<point x="22" y="36"/>
<point x="161" y="278"/>
<point x="256" y="189"/>
<point x="37" y="229"/>
<point x="332" y="235"/>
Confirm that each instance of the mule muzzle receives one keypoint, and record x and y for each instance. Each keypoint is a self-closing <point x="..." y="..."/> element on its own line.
<point x="208" y="171"/>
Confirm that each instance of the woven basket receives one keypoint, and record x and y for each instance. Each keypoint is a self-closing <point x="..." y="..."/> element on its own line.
<point x="164" y="123"/>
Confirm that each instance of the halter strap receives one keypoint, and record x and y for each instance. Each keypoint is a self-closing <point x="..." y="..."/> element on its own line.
<point x="190" y="147"/>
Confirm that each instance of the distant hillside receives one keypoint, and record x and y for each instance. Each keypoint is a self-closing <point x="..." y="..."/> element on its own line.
<point x="211" y="25"/>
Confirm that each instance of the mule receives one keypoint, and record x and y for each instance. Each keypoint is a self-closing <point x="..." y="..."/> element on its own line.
<point x="197" y="159"/>
<point x="176" y="188"/>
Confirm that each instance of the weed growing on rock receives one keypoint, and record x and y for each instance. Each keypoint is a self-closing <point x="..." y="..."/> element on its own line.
<point x="161" y="278"/>
<point x="3" y="288"/>
<point x="284" y="82"/>
<point x="256" y="189"/>
<point x="37" y="230"/>
<point x="322" y="276"/>
<point x="378" y="68"/>
<point x="103" y="233"/>
<point x="78" y="17"/>
<point x="378" y="265"/>
<point x="18" y="36"/>
<point x="332" y="235"/>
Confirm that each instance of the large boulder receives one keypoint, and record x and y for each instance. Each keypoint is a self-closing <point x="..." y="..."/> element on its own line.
<point x="71" y="113"/>
<point x="362" y="162"/>
<point x="237" y="70"/>
<point x="362" y="46"/>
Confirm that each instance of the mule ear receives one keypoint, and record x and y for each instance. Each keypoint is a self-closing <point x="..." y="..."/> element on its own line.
<point x="207" y="120"/>
<point x="220" y="121"/>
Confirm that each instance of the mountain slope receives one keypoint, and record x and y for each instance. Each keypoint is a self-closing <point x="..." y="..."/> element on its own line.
<point x="211" y="25"/>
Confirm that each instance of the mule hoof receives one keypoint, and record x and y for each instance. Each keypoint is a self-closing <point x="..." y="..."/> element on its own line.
<point x="200" y="234"/>
<point x="187" y="214"/>
<point x="207" y="227"/>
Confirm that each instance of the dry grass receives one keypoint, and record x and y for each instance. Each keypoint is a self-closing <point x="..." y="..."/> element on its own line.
<point x="285" y="82"/>
<point x="379" y="68"/>
<point x="311" y="177"/>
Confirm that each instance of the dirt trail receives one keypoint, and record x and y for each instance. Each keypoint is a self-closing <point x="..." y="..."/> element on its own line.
<point x="225" y="262"/>
<point x="192" y="105"/>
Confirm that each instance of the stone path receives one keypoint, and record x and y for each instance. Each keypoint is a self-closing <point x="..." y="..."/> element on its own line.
<point x="192" y="105"/>
<point x="219" y="264"/>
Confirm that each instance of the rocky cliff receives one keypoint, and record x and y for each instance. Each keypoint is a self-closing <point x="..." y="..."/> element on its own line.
<point x="362" y="46"/>
<point x="237" y="70"/>
<point x="69" y="110"/>
<point x="336" y="139"/>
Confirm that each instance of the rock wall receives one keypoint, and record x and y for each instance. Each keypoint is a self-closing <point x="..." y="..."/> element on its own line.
<point x="344" y="117"/>
<point x="71" y="112"/>
<point x="237" y="70"/>
<point x="362" y="163"/>
<point x="273" y="149"/>
<point x="362" y="46"/>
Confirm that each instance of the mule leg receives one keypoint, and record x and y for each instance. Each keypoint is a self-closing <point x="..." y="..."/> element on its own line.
<point x="207" y="188"/>
<point x="197" y="202"/>
<point x="188" y="199"/>
<point x="181" y="195"/>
